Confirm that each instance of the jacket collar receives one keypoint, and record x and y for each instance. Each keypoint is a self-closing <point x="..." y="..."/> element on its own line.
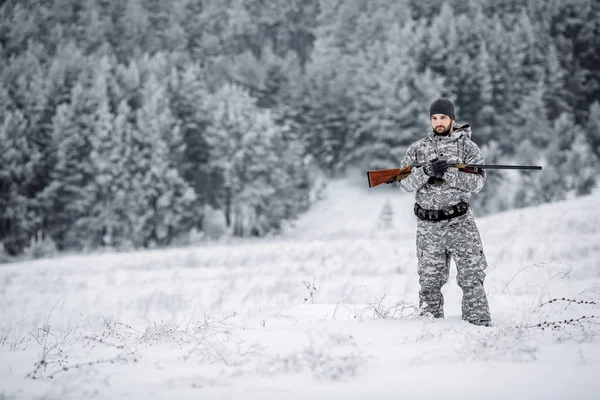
<point x="458" y="132"/>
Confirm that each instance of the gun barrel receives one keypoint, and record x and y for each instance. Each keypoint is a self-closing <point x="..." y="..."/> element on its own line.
<point x="491" y="166"/>
<point x="484" y="166"/>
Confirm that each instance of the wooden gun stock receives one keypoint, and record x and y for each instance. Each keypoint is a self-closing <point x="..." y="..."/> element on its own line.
<point x="380" y="176"/>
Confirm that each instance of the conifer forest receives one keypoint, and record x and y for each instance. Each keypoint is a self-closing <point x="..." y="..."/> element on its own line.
<point x="141" y="123"/>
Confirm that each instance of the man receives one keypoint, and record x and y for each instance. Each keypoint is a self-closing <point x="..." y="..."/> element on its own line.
<point x="446" y="227"/>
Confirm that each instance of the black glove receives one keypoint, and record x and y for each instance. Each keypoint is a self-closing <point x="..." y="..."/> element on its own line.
<point x="436" y="167"/>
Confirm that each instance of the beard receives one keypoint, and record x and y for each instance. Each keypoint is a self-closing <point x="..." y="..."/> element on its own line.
<point x="444" y="132"/>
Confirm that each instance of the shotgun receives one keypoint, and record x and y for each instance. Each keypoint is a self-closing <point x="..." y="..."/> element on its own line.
<point x="377" y="177"/>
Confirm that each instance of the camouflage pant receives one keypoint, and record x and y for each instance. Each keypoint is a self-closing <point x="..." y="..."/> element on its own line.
<point x="459" y="239"/>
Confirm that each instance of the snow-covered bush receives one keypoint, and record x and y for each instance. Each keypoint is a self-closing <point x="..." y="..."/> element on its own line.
<point x="40" y="246"/>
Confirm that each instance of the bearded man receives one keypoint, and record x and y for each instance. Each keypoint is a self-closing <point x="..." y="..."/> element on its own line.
<point x="446" y="226"/>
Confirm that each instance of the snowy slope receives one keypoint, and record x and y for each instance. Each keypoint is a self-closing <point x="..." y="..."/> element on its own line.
<point x="326" y="311"/>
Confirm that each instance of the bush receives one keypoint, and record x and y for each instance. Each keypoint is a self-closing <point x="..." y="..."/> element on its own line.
<point x="4" y="256"/>
<point x="40" y="246"/>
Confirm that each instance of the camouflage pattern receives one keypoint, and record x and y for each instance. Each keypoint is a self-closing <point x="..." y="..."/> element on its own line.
<point x="457" y="238"/>
<point x="437" y="242"/>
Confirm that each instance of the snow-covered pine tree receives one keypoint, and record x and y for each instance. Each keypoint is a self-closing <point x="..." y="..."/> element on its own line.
<point x="18" y="160"/>
<point x="95" y="221"/>
<point x="592" y="128"/>
<point x="66" y="198"/>
<point x="166" y="198"/>
<point x="118" y="165"/>
<point x="496" y="195"/>
<point x="530" y="139"/>
<point x="386" y="217"/>
<point x="248" y="153"/>
<point x="440" y="52"/>
<point x="228" y="137"/>
<point x="581" y="165"/>
<point x="390" y="101"/>
<point x="556" y="97"/>
<point x="568" y="166"/>
<point x="573" y="157"/>
<point x="530" y="122"/>
<point x="327" y="105"/>
<point x="23" y="100"/>
<point x="188" y="94"/>
<point x="527" y="186"/>
<point x="477" y="107"/>
<point x="134" y="29"/>
<point x="505" y="64"/>
<point x="473" y="81"/>
<point x="574" y="26"/>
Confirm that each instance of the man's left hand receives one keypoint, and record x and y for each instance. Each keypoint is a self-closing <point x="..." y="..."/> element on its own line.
<point x="439" y="168"/>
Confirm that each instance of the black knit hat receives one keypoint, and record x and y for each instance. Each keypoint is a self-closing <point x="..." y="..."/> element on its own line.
<point x="442" y="106"/>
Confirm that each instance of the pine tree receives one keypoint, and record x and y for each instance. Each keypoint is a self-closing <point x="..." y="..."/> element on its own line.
<point x="18" y="159"/>
<point x="479" y="109"/>
<point x="135" y="29"/>
<point x="592" y="128"/>
<point x="440" y="55"/>
<point x="556" y="96"/>
<point x="506" y="59"/>
<point x="534" y="56"/>
<point x="123" y="204"/>
<point x="95" y="26"/>
<point x="327" y="106"/>
<point x="497" y="193"/>
<point x="425" y="10"/>
<point x="574" y="27"/>
<point x="165" y="195"/>
<point x="73" y="200"/>
<point x="386" y="217"/>
<point x="390" y="105"/>
<point x="98" y="226"/>
<point x="470" y="29"/>
<point x="248" y="151"/>
<point x="188" y="93"/>
<point x="586" y="49"/>
<point x="530" y="122"/>
<point x="469" y="81"/>
<point x="65" y="198"/>
<point x="569" y="166"/>
<point x="60" y="78"/>
<point x="25" y="91"/>
<point x="554" y="183"/>
<point x="581" y="165"/>
<point x="230" y="109"/>
<point x="528" y="188"/>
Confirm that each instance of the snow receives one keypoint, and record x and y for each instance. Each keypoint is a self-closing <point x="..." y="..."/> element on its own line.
<point x="325" y="311"/>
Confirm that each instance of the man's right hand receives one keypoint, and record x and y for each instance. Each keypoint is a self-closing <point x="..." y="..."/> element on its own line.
<point x="436" y="168"/>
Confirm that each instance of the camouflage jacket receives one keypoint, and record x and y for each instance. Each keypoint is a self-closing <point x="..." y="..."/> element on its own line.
<point x="457" y="186"/>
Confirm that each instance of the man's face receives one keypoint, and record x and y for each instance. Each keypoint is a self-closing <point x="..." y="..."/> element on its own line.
<point x="441" y="123"/>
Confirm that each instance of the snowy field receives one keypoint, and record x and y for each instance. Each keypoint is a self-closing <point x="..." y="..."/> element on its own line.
<point x="326" y="311"/>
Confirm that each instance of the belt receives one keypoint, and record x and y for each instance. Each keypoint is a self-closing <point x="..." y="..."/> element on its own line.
<point x="439" y="215"/>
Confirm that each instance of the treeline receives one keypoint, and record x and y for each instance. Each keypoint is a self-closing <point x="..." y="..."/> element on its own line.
<point x="132" y="124"/>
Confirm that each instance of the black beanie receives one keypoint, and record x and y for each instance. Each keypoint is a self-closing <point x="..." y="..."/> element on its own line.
<point x="442" y="106"/>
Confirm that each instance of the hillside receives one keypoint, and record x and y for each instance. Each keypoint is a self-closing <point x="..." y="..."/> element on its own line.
<point x="326" y="310"/>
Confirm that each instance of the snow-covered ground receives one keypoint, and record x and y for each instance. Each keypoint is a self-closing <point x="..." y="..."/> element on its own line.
<point x="326" y="311"/>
